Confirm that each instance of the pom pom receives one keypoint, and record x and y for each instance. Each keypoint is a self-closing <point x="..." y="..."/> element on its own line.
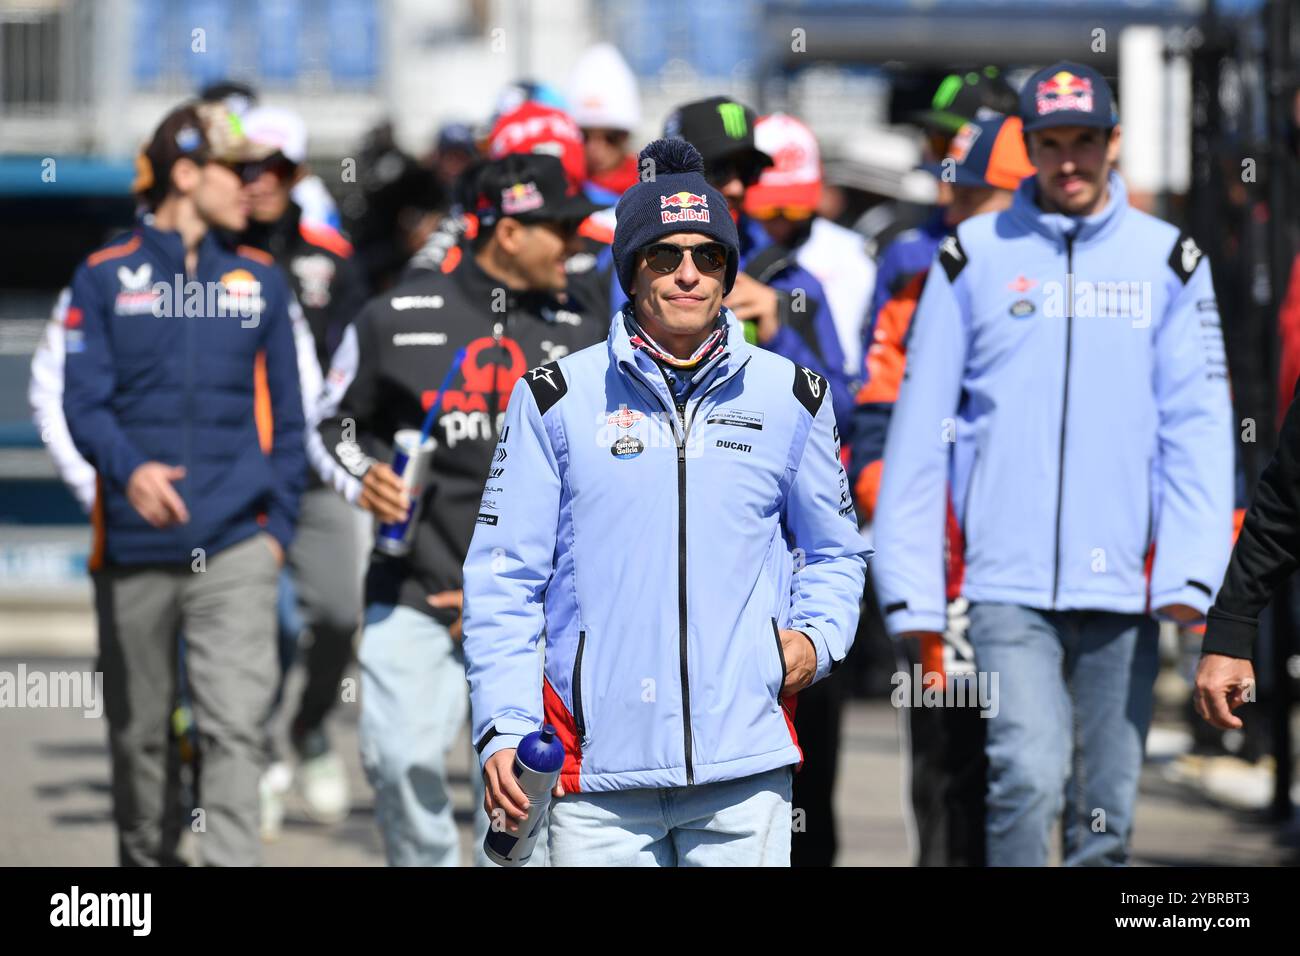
<point x="672" y="156"/>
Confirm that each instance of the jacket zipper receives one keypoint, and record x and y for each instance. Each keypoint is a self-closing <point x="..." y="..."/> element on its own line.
<point x="578" y="716"/>
<point x="1065" y="408"/>
<point x="189" y="383"/>
<point x="682" y="435"/>
<point x="970" y="486"/>
<point x="494" y="393"/>
<point x="776" y="632"/>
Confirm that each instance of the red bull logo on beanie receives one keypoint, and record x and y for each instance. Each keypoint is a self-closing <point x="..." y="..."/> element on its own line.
<point x="1063" y="91"/>
<point x="690" y="207"/>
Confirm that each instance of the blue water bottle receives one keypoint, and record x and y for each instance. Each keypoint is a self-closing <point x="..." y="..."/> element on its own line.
<point x="537" y="767"/>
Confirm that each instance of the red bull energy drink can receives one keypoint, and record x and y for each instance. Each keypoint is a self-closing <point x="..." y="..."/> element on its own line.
<point x="412" y="462"/>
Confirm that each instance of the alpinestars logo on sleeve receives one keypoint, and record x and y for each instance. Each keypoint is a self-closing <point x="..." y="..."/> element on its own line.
<point x="1191" y="254"/>
<point x="814" y="382"/>
<point x="542" y="373"/>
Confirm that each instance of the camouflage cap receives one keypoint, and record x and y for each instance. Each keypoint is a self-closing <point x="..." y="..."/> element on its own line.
<point x="203" y="132"/>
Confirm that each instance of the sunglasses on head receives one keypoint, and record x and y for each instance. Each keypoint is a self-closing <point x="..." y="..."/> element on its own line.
<point x="665" y="257"/>
<point x="724" y="171"/>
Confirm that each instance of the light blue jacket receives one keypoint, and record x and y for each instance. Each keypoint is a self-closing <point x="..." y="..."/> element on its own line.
<point x="1090" y="426"/>
<point x="657" y="558"/>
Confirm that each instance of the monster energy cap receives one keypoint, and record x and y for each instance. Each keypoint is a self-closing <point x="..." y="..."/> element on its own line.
<point x="719" y="128"/>
<point x="963" y="97"/>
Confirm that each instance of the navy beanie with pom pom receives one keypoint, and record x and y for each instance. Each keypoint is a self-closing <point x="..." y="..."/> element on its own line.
<point x="678" y="199"/>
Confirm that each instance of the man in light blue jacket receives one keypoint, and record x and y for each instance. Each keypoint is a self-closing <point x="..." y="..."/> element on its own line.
<point x="670" y="509"/>
<point x="1067" y="373"/>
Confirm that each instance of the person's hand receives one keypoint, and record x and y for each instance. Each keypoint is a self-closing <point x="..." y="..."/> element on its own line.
<point x="150" y="492"/>
<point x="1180" y="613"/>
<point x="754" y="302"/>
<point x="383" y="494"/>
<point x="1222" y="685"/>
<point x="502" y="795"/>
<point x="454" y="599"/>
<point x="929" y="652"/>
<point x="276" y="550"/>
<point x="800" y="662"/>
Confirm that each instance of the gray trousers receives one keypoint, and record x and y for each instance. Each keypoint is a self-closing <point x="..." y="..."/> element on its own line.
<point x="227" y="613"/>
<point x="327" y="571"/>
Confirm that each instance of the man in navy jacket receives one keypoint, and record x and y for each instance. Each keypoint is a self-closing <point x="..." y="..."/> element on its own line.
<point x="182" y="391"/>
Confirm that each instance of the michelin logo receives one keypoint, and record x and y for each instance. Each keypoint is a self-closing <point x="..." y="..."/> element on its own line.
<point x="403" y="302"/>
<point x="420" y="338"/>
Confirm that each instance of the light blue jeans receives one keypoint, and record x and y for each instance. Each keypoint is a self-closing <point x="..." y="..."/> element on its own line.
<point x="414" y="701"/>
<point x="743" y="822"/>
<point x="1074" y="704"/>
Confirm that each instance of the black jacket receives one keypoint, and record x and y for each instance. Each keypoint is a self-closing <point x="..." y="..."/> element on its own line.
<point x="318" y="263"/>
<point x="1267" y="550"/>
<point x="406" y="341"/>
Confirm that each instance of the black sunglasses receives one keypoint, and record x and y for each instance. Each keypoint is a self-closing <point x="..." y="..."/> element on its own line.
<point x="724" y="171"/>
<point x="247" y="172"/>
<point x="614" y="137"/>
<point x="665" y="257"/>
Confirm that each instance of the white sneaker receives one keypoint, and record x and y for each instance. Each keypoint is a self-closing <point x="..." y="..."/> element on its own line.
<point x="323" y="782"/>
<point x="271" y="789"/>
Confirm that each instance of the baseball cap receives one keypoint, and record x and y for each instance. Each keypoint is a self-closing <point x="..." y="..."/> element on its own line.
<point x="202" y="132"/>
<point x="457" y="136"/>
<point x="238" y="97"/>
<point x="540" y="129"/>
<point x="962" y="97"/>
<point x="719" y="128"/>
<point x="987" y="152"/>
<point x="1067" y="94"/>
<point x="281" y="129"/>
<point x="529" y="187"/>
<point x="795" y="178"/>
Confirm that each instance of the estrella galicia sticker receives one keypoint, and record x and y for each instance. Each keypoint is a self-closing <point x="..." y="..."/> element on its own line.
<point x="626" y="447"/>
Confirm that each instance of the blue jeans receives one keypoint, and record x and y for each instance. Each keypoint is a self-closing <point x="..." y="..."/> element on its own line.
<point x="743" y="822"/>
<point x="414" y="700"/>
<point x="1074" y="704"/>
